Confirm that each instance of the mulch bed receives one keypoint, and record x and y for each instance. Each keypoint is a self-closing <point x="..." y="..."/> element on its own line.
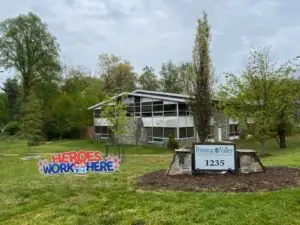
<point x="273" y="179"/>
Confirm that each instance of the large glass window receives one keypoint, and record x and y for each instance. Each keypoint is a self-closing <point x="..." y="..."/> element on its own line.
<point x="158" y="106"/>
<point x="185" y="132"/>
<point x="147" y="109"/>
<point x="158" y="131"/>
<point x="170" y="131"/>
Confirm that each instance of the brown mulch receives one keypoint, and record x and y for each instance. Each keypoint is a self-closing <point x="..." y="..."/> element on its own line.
<point x="273" y="179"/>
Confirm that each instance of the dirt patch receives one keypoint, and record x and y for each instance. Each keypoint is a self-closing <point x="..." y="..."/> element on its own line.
<point x="273" y="179"/>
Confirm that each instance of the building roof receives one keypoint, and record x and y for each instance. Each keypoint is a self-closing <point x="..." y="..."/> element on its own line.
<point x="148" y="94"/>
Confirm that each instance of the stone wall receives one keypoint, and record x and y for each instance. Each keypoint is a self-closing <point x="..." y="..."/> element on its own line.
<point x="136" y="134"/>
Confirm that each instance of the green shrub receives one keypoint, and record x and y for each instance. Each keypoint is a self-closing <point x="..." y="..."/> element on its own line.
<point x="11" y="128"/>
<point x="34" y="140"/>
<point x="172" y="143"/>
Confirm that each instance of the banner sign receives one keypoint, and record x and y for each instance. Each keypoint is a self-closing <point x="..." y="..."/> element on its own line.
<point x="78" y="162"/>
<point x="213" y="157"/>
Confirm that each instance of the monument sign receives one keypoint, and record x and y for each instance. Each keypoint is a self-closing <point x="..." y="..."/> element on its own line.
<point x="214" y="157"/>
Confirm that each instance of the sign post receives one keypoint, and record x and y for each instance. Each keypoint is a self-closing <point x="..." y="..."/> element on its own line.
<point x="214" y="157"/>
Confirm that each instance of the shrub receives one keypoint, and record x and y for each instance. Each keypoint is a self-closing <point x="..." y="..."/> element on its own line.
<point x="172" y="143"/>
<point x="34" y="140"/>
<point x="11" y="128"/>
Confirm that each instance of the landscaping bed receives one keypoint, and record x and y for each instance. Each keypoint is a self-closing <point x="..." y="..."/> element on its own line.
<point x="273" y="179"/>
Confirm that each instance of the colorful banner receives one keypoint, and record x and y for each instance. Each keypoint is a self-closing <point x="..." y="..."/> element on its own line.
<point x="78" y="162"/>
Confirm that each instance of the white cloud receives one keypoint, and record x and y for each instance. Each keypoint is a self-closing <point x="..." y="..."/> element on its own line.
<point x="151" y="32"/>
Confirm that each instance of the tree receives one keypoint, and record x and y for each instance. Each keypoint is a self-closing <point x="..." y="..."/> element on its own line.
<point x="11" y="88"/>
<point x="28" y="46"/>
<point x="170" y="78"/>
<point x="31" y="123"/>
<point x="115" y="113"/>
<point x="185" y="73"/>
<point x="148" y="80"/>
<point x="262" y="98"/>
<point x="117" y="74"/>
<point x="198" y="83"/>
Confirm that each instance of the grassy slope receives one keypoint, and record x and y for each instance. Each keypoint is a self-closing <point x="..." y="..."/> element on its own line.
<point x="26" y="197"/>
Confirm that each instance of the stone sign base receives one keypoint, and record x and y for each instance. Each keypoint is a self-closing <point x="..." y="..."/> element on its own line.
<point x="181" y="162"/>
<point x="247" y="162"/>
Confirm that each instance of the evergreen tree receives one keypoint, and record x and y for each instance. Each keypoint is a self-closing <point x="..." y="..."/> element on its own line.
<point x="200" y="81"/>
<point x="10" y="87"/>
<point x="31" y="123"/>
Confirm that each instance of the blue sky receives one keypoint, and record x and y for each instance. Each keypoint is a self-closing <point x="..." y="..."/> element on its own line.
<point x="152" y="32"/>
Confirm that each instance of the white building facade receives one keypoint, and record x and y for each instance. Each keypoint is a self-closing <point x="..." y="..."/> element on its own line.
<point x="162" y="114"/>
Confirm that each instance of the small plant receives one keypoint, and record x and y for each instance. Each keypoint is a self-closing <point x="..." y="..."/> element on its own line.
<point x="172" y="143"/>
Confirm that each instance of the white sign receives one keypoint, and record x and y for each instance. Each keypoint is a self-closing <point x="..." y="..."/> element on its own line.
<point x="214" y="157"/>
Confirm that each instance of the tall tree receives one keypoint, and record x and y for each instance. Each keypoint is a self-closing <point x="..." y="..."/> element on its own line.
<point x="117" y="74"/>
<point x="170" y="78"/>
<point x="11" y="88"/>
<point x="27" y="46"/>
<point x="148" y="80"/>
<point x="262" y="98"/>
<point x="200" y="80"/>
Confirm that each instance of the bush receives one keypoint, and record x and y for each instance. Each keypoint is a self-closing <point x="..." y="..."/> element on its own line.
<point x="172" y="143"/>
<point x="34" y="140"/>
<point x="11" y="128"/>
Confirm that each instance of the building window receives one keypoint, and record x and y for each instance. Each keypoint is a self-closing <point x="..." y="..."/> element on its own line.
<point x="147" y="109"/>
<point x="170" y="131"/>
<point x="103" y="131"/>
<point x="233" y="130"/>
<point x="190" y="132"/>
<point x="97" y="113"/>
<point x="186" y="132"/>
<point x="158" y="131"/>
<point x="97" y="129"/>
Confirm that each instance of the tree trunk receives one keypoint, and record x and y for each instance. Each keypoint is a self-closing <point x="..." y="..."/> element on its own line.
<point x="26" y="88"/>
<point x="282" y="140"/>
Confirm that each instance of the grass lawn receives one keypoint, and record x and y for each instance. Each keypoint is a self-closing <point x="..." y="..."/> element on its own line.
<point x="27" y="197"/>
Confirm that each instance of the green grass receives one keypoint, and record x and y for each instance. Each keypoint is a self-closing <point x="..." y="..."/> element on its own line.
<point x="27" y="197"/>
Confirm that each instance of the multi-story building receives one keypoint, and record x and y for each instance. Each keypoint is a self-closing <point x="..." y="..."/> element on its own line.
<point x="156" y="115"/>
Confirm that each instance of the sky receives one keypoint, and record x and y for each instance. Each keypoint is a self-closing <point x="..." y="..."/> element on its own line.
<point x="150" y="32"/>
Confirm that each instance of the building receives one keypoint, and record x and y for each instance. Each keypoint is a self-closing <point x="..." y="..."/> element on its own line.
<point x="156" y="115"/>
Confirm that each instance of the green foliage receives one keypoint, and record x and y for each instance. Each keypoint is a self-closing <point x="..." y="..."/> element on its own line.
<point x="12" y="128"/>
<point x="170" y="78"/>
<point x="3" y="109"/>
<point x="172" y="143"/>
<point x="262" y="98"/>
<point x="199" y="81"/>
<point x="148" y="80"/>
<point x="31" y="122"/>
<point x="115" y="113"/>
<point x="11" y="88"/>
<point x="27" y="46"/>
<point x="117" y="74"/>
